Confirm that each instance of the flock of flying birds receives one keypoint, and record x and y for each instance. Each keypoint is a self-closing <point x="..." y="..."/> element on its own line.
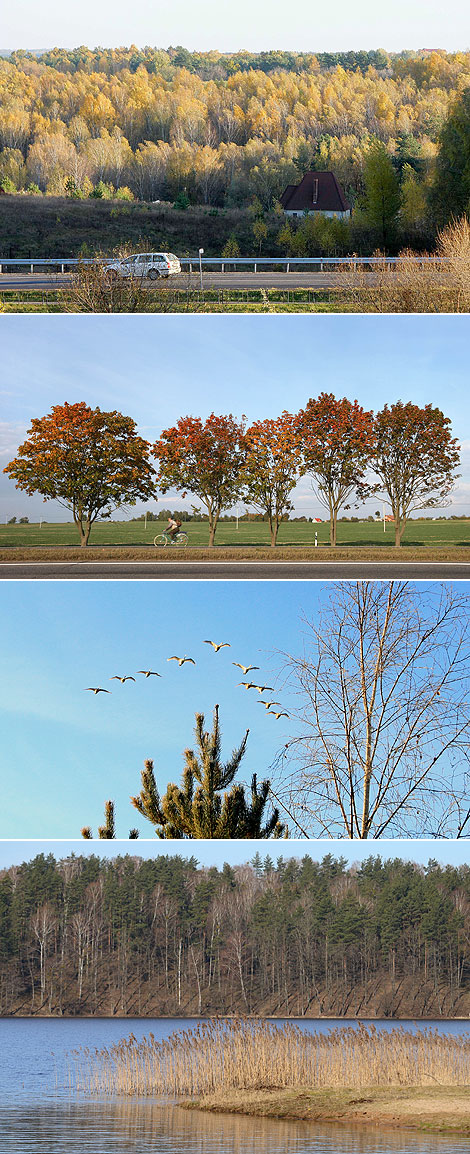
<point x="216" y="645"/>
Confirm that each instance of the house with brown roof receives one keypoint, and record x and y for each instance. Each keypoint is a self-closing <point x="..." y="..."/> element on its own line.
<point x="317" y="192"/>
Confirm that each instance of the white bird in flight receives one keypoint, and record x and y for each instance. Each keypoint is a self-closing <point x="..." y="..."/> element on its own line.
<point x="277" y="715"/>
<point x="263" y="688"/>
<point x="122" y="679"/>
<point x="245" y="668"/>
<point x="149" y="673"/>
<point x="96" y="689"/>
<point x="218" y="645"/>
<point x="247" y="684"/>
<point x="268" y="704"/>
<point x="181" y="660"/>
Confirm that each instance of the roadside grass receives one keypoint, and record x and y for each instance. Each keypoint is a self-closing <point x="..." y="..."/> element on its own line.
<point x="419" y="536"/>
<point x="193" y="301"/>
<point x="334" y="300"/>
<point x="121" y="553"/>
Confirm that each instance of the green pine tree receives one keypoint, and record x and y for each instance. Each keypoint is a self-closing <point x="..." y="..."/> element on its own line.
<point x="207" y="804"/>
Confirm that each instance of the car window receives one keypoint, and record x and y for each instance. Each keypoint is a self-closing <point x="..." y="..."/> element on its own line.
<point x="142" y="259"/>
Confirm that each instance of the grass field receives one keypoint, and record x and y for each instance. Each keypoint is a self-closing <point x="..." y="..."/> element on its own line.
<point x="418" y="534"/>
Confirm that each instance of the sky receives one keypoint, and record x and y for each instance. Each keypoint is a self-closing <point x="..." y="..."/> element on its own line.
<point x="159" y="368"/>
<point x="229" y="27"/>
<point x="65" y="750"/>
<point x="216" y="853"/>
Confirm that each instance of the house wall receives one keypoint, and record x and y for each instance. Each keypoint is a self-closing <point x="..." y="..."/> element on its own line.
<point x="320" y="212"/>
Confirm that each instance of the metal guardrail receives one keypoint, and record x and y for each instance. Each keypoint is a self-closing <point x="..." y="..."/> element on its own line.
<point x="224" y="264"/>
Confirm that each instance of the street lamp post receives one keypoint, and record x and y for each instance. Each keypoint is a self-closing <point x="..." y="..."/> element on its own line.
<point x="201" y="253"/>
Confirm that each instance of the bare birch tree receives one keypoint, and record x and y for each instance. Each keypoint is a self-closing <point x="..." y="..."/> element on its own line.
<point x="384" y="716"/>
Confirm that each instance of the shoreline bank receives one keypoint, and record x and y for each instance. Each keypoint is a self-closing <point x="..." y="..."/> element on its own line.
<point x="430" y="1110"/>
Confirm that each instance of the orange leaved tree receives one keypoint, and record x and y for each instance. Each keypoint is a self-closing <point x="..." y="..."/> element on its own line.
<point x="336" y="438"/>
<point x="271" y="468"/>
<point x="415" y="458"/>
<point x="205" y="457"/>
<point x="90" y="461"/>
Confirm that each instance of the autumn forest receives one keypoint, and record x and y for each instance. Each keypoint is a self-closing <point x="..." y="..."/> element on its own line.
<point x="228" y="133"/>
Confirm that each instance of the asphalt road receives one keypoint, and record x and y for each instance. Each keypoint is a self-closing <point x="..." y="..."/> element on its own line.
<point x="234" y="570"/>
<point x="34" y="282"/>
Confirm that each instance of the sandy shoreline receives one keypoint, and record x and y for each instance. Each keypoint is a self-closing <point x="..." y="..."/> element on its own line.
<point x="433" y="1110"/>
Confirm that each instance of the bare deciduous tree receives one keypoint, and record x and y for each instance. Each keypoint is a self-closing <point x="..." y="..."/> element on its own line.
<point x="43" y="925"/>
<point x="93" y="289"/>
<point x="384" y="741"/>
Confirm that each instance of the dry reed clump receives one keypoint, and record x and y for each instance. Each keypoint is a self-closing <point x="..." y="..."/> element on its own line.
<point x="414" y="285"/>
<point x="224" y="1055"/>
<point x="405" y="287"/>
<point x="453" y="244"/>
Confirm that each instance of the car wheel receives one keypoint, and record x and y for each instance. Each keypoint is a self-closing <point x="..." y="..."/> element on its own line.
<point x="153" y="274"/>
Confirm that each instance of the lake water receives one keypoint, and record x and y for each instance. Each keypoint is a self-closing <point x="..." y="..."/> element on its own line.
<point x="39" y="1115"/>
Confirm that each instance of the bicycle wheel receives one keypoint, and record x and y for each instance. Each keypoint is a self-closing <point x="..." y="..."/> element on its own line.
<point x="160" y="540"/>
<point x="181" y="539"/>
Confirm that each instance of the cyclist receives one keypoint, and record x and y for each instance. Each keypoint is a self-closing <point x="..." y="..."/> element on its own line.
<point x="173" y="527"/>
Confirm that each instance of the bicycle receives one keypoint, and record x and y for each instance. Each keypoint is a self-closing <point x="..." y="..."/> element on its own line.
<point x="163" y="539"/>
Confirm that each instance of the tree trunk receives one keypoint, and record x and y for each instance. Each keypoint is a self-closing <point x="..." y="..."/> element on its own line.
<point x="333" y="520"/>
<point x="273" y="529"/>
<point x="399" y="528"/>
<point x="213" y="518"/>
<point x="84" y="530"/>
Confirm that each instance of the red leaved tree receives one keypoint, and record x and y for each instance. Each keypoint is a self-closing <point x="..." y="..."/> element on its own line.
<point x="204" y="457"/>
<point x="91" y="462"/>
<point x="271" y="468"/>
<point x="336" y="438"/>
<point x="415" y="458"/>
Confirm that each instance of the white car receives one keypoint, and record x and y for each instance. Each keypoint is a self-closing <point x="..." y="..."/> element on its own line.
<point x="146" y="264"/>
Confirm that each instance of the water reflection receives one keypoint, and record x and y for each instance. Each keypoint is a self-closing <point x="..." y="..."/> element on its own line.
<point x="145" y="1127"/>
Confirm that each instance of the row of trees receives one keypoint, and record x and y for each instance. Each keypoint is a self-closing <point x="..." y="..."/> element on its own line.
<point x="133" y="936"/>
<point x="212" y="64"/>
<point x="93" y="462"/>
<point x="160" y="133"/>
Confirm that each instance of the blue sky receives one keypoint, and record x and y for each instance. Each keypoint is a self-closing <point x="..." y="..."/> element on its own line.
<point x="209" y="24"/>
<point x="157" y="369"/>
<point x="64" y="750"/>
<point x="210" y="853"/>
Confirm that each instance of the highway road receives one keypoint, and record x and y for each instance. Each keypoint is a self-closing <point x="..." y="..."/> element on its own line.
<point x="234" y="570"/>
<point x="37" y="281"/>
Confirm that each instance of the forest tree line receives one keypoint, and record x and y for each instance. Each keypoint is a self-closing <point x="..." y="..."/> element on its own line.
<point x="85" y="935"/>
<point x="232" y="132"/>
